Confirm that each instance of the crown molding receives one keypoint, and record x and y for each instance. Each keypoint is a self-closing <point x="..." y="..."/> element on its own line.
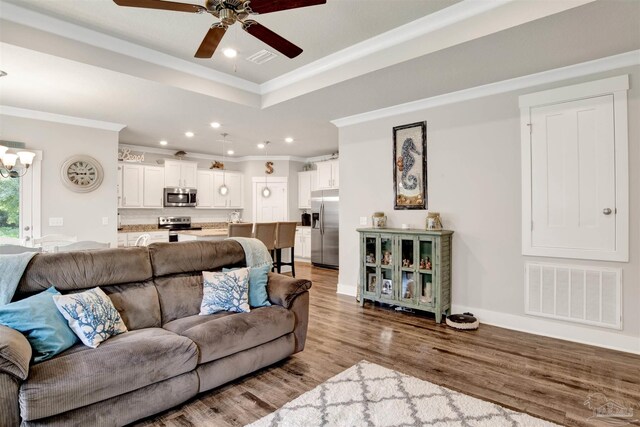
<point x="203" y="156"/>
<point x="622" y="60"/>
<point x="40" y="21"/>
<point x="427" y="24"/>
<point x="59" y="118"/>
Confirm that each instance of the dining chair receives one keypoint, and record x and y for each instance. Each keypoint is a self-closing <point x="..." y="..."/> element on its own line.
<point x="84" y="245"/>
<point x="143" y="240"/>
<point x="266" y="233"/>
<point x="285" y="239"/>
<point x="50" y="241"/>
<point x="16" y="249"/>
<point x="240" y="230"/>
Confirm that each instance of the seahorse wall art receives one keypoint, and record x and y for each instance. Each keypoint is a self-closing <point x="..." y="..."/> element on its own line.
<point x="406" y="162"/>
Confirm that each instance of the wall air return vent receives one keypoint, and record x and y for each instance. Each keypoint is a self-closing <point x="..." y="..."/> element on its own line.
<point x="261" y="57"/>
<point x="574" y="293"/>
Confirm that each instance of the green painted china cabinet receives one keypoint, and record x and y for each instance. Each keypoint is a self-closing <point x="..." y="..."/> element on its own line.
<point x="407" y="268"/>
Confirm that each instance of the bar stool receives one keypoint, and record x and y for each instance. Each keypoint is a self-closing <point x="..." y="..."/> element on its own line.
<point x="285" y="238"/>
<point x="240" y="230"/>
<point x="266" y="233"/>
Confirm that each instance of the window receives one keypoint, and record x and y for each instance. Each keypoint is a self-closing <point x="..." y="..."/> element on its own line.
<point x="575" y="171"/>
<point x="9" y="207"/>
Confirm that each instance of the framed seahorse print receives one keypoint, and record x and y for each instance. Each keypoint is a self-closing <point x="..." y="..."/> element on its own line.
<point x="410" y="166"/>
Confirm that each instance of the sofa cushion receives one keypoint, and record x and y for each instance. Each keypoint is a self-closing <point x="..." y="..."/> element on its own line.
<point x="221" y="335"/>
<point x="191" y="257"/>
<point x="82" y="376"/>
<point x="137" y="303"/>
<point x="75" y="271"/>
<point x="180" y="295"/>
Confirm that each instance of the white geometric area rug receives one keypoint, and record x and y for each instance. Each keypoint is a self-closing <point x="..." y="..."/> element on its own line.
<point x="370" y="395"/>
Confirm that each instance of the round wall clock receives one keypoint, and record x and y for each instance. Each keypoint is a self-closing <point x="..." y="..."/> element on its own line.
<point x="82" y="174"/>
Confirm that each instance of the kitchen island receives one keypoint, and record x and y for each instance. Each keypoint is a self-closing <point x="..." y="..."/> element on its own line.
<point x="204" y="234"/>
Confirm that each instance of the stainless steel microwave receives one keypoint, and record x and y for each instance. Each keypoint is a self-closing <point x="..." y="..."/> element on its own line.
<point x="180" y="197"/>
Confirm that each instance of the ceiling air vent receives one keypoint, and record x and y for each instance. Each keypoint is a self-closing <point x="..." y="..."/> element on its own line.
<point x="261" y="57"/>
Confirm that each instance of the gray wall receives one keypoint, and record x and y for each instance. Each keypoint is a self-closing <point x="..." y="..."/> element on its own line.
<point x="82" y="212"/>
<point x="474" y="182"/>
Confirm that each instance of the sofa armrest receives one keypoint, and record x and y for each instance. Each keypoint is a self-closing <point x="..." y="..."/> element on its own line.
<point x="282" y="290"/>
<point x="15" y="353"/>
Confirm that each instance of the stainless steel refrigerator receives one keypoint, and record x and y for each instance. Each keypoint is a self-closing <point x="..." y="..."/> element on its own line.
<point x="324" y="228"/>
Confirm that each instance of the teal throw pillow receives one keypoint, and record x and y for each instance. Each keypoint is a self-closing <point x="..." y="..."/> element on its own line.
<point x="225" y="292"/>
<point x="258" y="277"/>
<point x="39" y="320"/>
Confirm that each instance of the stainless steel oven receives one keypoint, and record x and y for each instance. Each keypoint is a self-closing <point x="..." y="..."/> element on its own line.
<point x="179" y="197"/>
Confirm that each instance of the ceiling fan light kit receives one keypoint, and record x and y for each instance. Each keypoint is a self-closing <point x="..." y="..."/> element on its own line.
<point x="229" y="12"/>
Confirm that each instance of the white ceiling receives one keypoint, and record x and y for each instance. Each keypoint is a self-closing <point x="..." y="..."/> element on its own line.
<point x="318" y="30"/>
<point x="60" y="75"/>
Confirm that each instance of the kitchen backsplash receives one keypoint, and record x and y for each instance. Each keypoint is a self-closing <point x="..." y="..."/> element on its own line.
<point x="150" y="216"/>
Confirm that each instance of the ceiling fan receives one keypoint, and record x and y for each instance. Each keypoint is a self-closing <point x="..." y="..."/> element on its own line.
<point x="229" y="12"/>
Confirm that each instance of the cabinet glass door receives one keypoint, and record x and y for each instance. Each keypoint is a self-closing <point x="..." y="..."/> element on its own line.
<point x="407" y="246"/>
<point x="426" y="295"/>
<point x="371" y="276"/>
<point x="387" y="262"/>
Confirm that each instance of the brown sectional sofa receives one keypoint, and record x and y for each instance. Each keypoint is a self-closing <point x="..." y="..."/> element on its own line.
<point x="170" y="353"/>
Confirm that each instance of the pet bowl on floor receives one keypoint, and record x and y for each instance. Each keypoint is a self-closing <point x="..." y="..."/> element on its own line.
<point x="465" y="322"/>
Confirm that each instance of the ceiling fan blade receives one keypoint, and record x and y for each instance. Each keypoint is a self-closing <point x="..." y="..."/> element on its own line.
<point x="277" y="42"/>
<point x="163" y="5"/>
<point x="211" y="41"/>
<point x="266" y="6"/>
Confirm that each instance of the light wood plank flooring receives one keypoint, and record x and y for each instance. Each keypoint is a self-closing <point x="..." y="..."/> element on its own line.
<point x="545" y="377"/>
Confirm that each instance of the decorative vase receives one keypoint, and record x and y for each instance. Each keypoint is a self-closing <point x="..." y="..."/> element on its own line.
<point x="378" y="220"/>
<point x="433" y="221"/>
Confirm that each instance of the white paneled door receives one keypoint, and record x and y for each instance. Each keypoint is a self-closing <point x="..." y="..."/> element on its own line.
<point x="573" y="177"/>
<point x="273" y="208"/>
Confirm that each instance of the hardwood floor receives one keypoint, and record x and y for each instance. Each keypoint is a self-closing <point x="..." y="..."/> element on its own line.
<point x="544" y="377"/>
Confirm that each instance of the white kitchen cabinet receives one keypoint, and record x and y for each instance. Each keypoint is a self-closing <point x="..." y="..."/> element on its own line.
<point x="307" y="181"/>
<point x="119" y="185"/>
<point x="180" y="174"/>
<point x="122" y="240"/>
<point x="142" y="187"/>
<point x="132" y="179"/>
<point x="302" y="248"/>
<point x="153" y="187"/>
<point x="234" y="197"/>
<point x="327" y="174"/>
<point x="235" y="182"/>
<point x="205" y="186"/>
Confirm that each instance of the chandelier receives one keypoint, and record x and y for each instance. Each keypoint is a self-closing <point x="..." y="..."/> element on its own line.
<point x="8" y="162"/>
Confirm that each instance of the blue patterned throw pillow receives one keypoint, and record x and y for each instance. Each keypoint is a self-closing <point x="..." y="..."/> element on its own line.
<point x="91" y="315"/>
<point x="225" y="291"/>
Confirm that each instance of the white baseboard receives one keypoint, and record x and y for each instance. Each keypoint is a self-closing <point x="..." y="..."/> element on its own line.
<point x="346" y="290"/>
<point x="555" y="329"/>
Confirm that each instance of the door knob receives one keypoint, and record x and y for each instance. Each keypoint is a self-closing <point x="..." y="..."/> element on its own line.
<point x="606" y="211"/>
<point x="27" y="228"/>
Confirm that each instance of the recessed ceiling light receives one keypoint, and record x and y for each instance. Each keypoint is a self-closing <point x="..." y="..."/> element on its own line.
<point x="189" y="134"/>
<point x="215" y="125"/>
<point x="163" y="142"/>
<point x="288" y="140"/>
<point x="230" y="53"/>
<point x="230" y="152"/>
<point x="261" y="145"/>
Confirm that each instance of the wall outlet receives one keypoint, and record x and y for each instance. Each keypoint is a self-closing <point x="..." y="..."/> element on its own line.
<point x="364" y="220"/>
<point x="105" y="220"/>
<point x="56" y="222"/>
